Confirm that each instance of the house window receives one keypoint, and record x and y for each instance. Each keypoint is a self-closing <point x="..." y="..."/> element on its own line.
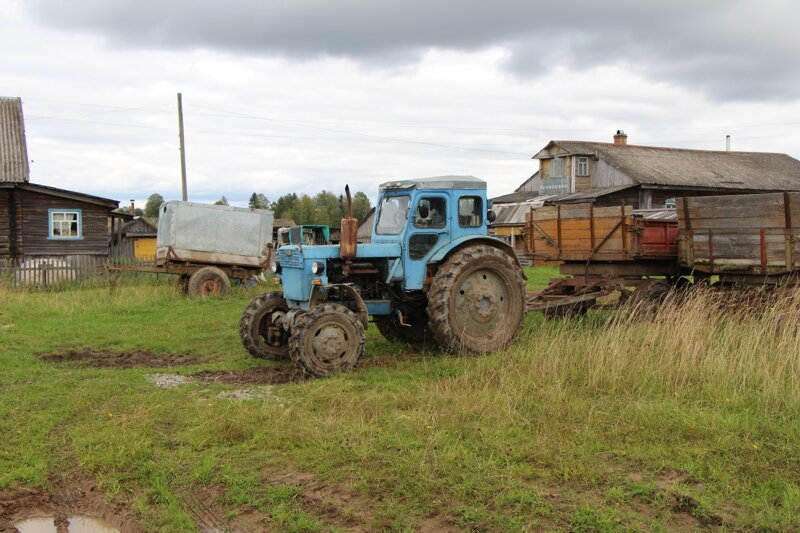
<point x="583" y="166"/>
<point x="557" y="167"/>
<point x="65" y="224"/>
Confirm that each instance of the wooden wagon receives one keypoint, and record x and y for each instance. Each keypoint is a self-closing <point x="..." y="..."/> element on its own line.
<point x="601" y="250"/>
<point x="742" y="240"/>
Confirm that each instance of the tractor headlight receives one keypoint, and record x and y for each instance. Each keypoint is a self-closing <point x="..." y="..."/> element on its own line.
<point x="275" y="267"/>
<point x="317" y="268"/>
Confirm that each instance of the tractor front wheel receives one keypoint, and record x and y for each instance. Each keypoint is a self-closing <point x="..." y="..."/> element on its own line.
<point x="476" y="301"/>
<point x="259" y="328"/>
<point x="327" y="339"/>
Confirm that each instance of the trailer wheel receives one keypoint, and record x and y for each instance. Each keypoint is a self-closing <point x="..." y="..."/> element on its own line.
<point x="649" y="294"/>
<point x="209" y="281"/>
<point x="261" y="336"/>
<point x="183" y="283"/>
<point x="476" y="301"/>
<point x="569" y="311"/>
<point x="327" y="339"/>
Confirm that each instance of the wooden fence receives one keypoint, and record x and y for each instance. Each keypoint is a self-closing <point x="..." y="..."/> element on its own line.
<point x="46" y="272"/>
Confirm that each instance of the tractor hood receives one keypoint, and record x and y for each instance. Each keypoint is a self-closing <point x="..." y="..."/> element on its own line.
<point x="292" y="256"/>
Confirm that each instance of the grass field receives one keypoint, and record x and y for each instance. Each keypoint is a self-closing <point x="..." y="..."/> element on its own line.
<point x="687" y="420"/>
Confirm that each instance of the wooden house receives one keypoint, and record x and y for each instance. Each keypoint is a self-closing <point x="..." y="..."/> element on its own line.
<point x="41" y="221"/>
<point x="650" y="177"/>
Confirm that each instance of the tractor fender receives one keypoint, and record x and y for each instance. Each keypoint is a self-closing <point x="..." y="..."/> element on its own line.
<point x="318" y="297"/>
<point x="471" y="240"/>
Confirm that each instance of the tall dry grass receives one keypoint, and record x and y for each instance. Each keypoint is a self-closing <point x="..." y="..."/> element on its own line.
<point x="705" y="345"/>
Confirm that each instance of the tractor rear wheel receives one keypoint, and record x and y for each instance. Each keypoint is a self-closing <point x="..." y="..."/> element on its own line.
<point x="261" y="334"/>
<point x="327" y="339"/>
<point x="476" y="300"/>
<point x="209" y="281"/>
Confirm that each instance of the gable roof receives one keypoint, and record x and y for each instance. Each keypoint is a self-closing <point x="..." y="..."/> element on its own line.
<point x="139" y="226"/>
<point x="63" y="193"/>
<point x="676" y="167"/>
<point x="13" y="150"/>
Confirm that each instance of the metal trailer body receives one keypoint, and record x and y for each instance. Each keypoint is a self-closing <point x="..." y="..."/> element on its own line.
<point x="743" y="239"/>
<point x="190" y="232"/>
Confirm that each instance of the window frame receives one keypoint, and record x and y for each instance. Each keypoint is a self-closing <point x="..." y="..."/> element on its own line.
<point x="561" y="167"/>
<point x="582" y="163"/>
<point x="429" y="197"/>
<point x="480" y="209"/>
<point x="59" y="210"/>
<point x="379" y="213"/>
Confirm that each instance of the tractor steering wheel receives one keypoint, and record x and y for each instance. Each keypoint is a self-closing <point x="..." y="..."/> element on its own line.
<point x="399" y="218"/>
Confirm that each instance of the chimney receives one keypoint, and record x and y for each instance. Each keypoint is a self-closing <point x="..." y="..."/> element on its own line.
<point x="133" y="209"/>
<point x="620" y="138"/>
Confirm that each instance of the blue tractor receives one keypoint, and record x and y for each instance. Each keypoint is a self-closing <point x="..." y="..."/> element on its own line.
<point x="431" y="274"/>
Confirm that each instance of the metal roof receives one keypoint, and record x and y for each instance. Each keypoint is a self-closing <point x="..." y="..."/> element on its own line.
<point x="677" y="167"/>
<point x="438" y="182"/>
<point x="13" y="151"/>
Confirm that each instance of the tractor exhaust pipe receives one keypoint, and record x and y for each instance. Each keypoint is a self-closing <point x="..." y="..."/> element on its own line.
<point x="348" y="242"/>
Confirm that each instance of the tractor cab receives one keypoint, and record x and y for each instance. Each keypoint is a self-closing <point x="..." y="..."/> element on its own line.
<point x="426" y="217"/>
<point x="431" y="274"/>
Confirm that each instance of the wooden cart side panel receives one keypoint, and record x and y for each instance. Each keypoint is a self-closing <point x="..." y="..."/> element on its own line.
<point x="756" y="233"/>
<point x="580" y="233"/>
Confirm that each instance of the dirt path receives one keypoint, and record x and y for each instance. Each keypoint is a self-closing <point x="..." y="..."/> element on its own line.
<point x="130" y="359"/>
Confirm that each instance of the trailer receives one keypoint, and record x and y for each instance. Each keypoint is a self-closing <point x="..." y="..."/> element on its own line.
<point x="207" y="246"/>
<point x="741" y="240"/>
<point x="602" y="251"/>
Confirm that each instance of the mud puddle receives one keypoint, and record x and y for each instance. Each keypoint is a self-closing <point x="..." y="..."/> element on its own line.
<point x="71" y="524"/>
<point x="129" y="359"/>
<point x="70" y="506"/>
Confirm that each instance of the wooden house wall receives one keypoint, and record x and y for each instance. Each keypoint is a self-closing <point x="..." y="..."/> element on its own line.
<point x="604" y="175"/>
<point x="5" y="227"/>
<point x="35" y="229"/>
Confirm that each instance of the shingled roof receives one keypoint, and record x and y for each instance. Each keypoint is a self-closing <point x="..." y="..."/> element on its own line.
<point x="676" y="167"/>
<point x="13" y="151"/>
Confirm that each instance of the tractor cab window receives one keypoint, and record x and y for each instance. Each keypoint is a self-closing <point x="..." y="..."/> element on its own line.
<point x="431" y="213"/>
<point x="470" y="212"/>
<point x="392" y="216"/>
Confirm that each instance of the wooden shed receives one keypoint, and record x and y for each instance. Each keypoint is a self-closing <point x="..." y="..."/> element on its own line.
<point x="135" y="239"/>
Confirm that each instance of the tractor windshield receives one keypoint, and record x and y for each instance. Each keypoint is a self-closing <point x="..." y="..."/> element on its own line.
<point x="392" y="216"/>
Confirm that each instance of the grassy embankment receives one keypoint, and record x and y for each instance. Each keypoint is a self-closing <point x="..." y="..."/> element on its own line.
<point x="687" y="420"/>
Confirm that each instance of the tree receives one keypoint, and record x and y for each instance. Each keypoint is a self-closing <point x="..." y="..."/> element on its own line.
<point x="222" y="201"/>
<point x="361" y="205"/>
<point x="258" y="201"/>
<point x="284" y="205"/>
<point x="154" y="201"/>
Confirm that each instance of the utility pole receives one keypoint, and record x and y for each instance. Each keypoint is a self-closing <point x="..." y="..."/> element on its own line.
<point x="183" y="149"/>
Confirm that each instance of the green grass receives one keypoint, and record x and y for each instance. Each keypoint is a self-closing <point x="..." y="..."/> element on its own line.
<point x="598" y="424"/>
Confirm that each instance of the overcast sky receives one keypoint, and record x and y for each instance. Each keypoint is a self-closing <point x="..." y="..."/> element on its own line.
<point x="304" y="95"/>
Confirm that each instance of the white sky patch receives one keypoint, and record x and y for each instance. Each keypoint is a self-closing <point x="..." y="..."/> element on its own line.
<point x="102" y="119"/>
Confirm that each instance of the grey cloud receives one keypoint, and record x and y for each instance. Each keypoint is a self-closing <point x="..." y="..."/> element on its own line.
<point x="731" y="50"/>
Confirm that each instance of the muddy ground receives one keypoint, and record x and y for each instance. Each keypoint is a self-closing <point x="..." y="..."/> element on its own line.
<point x="266" y="375"/>
<point x="129" y="359"/>
<point x="65" y="498"/>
